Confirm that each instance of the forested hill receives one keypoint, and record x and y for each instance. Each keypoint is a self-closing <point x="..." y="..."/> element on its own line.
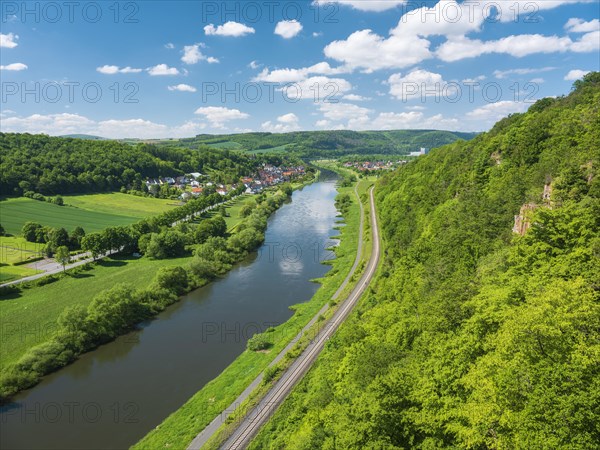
<point x="314" y="144"/>
<point x="475" y="336"/>
<point x="55" y="165"/>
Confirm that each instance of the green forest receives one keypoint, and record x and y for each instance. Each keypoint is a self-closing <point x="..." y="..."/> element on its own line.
<point x="329" y="144"/>
<point x="474" y="336"/>
<point x="52" y="165"/>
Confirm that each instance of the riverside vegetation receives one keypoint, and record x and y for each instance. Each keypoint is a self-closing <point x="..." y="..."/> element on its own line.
<point x="117" y="310"/>
<point x="475" y="336"/>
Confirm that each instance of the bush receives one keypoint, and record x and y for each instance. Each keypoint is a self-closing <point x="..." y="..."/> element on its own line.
<point x="167" y="244"/>
<point x="174" y="279"/>
<point x="258" y="342"/>
<point x="30" y="231"/>
<point x="270" y="373"/>
<point x="203" y="268"/>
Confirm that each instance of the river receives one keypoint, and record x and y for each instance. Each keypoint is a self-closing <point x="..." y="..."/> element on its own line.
<point x="113" y="396"/>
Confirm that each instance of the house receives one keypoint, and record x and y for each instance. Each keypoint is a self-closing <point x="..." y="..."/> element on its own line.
<point x="196" y="175"/>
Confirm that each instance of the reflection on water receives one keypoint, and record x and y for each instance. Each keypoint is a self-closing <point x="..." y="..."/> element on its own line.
<point x="112" y="397"/>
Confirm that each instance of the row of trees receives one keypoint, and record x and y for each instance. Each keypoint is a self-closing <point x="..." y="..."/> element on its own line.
<point x="53" y="237"/>
<point x="474" y="337"/>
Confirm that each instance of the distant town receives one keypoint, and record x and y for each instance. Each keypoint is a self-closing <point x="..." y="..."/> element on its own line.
<point x="378" y="165"/>
<point x="195" y="183"/>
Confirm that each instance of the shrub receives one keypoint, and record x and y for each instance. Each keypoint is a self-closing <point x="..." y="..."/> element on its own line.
<point x="174" y="279"/>
<point x="258" y="342"/>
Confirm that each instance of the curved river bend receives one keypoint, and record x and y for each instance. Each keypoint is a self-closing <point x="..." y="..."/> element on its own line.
<point x="111" y="397"/>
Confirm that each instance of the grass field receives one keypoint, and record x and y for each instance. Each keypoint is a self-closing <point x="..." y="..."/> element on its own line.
<point x="121" y="204"/>
<point x="229" y="145"/>
<point x="280" y="148"/>
<point x="10" y="273"/>
<point x="93" y="212"/>
<point x="233" y="208"/>
<point x="15" y="249"/>
<point x="29" y="319"/>
<point x="16" y="211"/>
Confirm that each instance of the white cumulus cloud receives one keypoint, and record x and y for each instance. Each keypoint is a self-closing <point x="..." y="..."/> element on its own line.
<point x="493" y="112"/>
<point x="182" y="88"/>
<point x="576" y="74"/>
<point x="219" y="115"/>
<point x="61" y="124"/>
<point x="16" y="67"/>
<point x="284" y="124"/>
<point x="576" y="25"/>
<point x="8" y="40"/>
<point x="288" y="28"/>
<point x="111" y="70"/>
<point x="162" y="69"/>
<point x="192" y="54"/>
<point x="231" y="28"/>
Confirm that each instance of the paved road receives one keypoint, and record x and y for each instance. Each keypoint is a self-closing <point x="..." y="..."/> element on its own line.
<point x="214" y="426"/>
<point x="51" y="267"/>
<point x="259" y="415"/>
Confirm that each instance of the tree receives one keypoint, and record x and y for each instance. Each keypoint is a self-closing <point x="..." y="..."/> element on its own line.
<point x="76" y="236"/>
<point x="2" y="231"/>
<point x="246" y="240"/>
<point x="174" y="279"/>
<point x="30" y="231"/>
<point x="58" y="237"/>
<point x="246" y="210"/>
<point x="203" y="268"/>
<point x="63" y="256"/>
<point x="93" y="243"/>
<point x="167" y="244"/>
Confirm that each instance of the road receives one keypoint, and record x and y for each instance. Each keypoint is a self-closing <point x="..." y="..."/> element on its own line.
<point x="214" y="426"/>
<point x="51" y="267"/>
<point x="258" y="416"/>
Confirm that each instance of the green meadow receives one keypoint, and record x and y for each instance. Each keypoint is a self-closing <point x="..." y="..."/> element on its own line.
<point x="121" y="204"/>
<point x="93" y="212"/>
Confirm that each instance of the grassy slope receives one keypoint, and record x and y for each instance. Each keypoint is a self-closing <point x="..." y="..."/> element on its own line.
<point x="121" y="204"/>
<point x="178" y="430"/>
<point x="29" y="319"/>
<point x="16" y="211"/>
<point x="15" y="249"/>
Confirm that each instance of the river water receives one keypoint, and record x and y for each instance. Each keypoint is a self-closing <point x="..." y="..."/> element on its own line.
<point x="111" y="397"/>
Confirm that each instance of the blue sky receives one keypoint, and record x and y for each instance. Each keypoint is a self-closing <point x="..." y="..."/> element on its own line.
<point x="154" y="69"/>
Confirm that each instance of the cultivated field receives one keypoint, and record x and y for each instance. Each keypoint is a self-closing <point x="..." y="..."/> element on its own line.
<point x="93" y="212"/>
<point x="121" y="204"/>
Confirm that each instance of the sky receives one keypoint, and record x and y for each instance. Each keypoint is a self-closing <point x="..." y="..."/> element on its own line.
<point x="158" y="69"/>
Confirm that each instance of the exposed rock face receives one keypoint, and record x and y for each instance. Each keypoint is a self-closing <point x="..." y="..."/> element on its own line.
<point x="547" y="195"/>
<point x="522" y="221"/>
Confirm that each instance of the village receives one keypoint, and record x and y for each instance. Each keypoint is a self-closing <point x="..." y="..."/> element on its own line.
<point x="366" y="166"/>
<point x="194" y="184"/>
